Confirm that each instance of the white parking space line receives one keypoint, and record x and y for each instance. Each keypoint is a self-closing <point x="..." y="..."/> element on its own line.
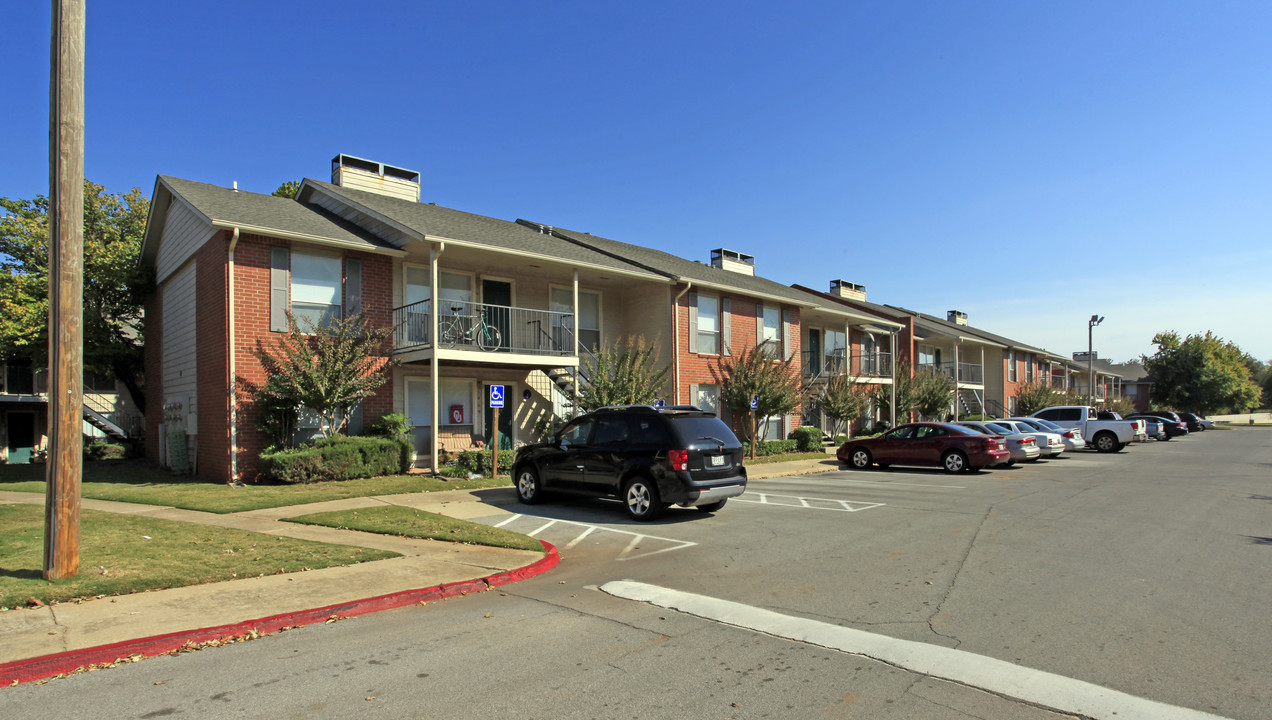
<point x="634" y="544"/>
<point x="1044" y="689"/>
<point x="811" y="503"/>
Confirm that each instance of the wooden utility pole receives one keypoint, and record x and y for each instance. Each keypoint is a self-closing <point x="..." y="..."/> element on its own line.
<point x="66" y="292"/>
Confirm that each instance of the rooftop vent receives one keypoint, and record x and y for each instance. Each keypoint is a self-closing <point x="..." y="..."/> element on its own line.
<point x="359" y="174"/>
<point x="845" y="289"/>
<point x="733" y="261"/>
<point x="956" y="317"/>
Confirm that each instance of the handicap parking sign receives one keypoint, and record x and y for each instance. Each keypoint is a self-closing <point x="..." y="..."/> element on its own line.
<point x="755" y="402"/>
<point x="496" y="396"/>
<point x="659" y="403"/>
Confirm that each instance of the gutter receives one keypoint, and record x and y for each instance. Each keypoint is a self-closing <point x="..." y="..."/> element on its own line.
<point x="233" y="382"/>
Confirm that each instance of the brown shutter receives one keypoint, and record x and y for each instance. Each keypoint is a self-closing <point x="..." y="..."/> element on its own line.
<point x="353" y="287"/>
<point x="693" y="323"/>
<point x="726" y="326"/>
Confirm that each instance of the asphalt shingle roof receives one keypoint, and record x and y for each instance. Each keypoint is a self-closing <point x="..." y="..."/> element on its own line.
<point x="681" y="269"/>
<point x="240" y="207"/>
<point x="441" y="222"/>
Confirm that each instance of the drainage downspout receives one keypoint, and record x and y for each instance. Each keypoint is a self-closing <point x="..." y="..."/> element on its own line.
<point x="675" y="335"/>
<point x="234" y="479"/>
<point x="435" y="384"/>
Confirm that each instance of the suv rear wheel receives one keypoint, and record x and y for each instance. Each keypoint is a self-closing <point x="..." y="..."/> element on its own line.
<point x="641" y="499"/>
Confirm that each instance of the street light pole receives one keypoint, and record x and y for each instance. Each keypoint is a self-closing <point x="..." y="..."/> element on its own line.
<point x="1095" y="320"/>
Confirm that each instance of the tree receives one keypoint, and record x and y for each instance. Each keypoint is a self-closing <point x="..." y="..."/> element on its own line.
<point x="1035" y="396"/>
<point x="753" y="373"/>
<point x="1201" y="373"/>
<point x="287" y="189"/>
<point x="115" y="284"/>
<point x="624" y="373"/>
<point x="933" y="392"/>
<point x="327" y="370"/>
<point x="844" y="399"/>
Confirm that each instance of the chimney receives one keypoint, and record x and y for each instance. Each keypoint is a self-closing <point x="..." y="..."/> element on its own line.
<point x="359" y="174"/>
<point x="845" y="289"/>
<point x="733" y="261"/>
<point x="956" y="317"/>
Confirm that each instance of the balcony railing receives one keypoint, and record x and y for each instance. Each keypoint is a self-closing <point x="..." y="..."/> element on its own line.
<point x="876" y="364"/>
<point x="969" y="373"/>
<point x="484" y="327"/>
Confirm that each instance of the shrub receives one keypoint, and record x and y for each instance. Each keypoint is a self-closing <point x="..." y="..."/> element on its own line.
<point x="771" y="447"/>
<point x="979" y="417"/>
<point x="808" y="439"/>
<point x="392" y="425"/>
<point x="338" y="458"/>
<point x="481" y="462"/>
<point x="100" y="450"/>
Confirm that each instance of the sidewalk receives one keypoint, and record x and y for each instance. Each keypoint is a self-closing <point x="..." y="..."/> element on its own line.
<point x="46" y="641"/>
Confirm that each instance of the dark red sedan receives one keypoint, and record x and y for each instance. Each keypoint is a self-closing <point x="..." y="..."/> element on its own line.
<point x="952" y="447"/>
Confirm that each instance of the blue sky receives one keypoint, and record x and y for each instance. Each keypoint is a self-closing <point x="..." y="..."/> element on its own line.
<point x="1029" y="163"/>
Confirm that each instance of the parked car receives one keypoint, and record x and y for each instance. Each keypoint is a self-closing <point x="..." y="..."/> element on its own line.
<point x="1195" y="422"/>
<point x="951" y="447"/>
<point x="1072" y="437"/>
<point x="1023" y="448"/>
<point x="1103" y="435"/>
<point x="1174" y="426"/>
<point x="647" y="457"/>
<point x="1157" y="428"/>
<point x="1050" y="444"/>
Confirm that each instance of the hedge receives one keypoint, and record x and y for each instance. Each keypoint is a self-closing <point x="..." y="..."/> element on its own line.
<point x="771" y="447"/>
<point x="808" y="439"/>
<point x="338" y="458"/>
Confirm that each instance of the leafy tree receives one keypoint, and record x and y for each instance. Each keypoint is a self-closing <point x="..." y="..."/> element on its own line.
<point x="843" y="400"/>
<point x="754" y="373"/>
<point x="624" y="373"/>
<point x="287" y="189"/>
<point x="115" y="284"/>
<point x="1201" y="373"/>
<point x="1035" y="396"/>
<point x="327" y="370"/>
<point x="1120" y="404"/>
<point x="933" y="392"/>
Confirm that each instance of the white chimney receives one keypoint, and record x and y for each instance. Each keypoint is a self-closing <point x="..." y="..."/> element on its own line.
<point x="956" y="317"/>
<point x="845" y="289"/>
<point x="359" y="174"/>
<point x="733" y="261"/>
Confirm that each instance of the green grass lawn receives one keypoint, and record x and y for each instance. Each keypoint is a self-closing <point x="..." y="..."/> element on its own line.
<point x="120" y="554"/>
<point x="409" y="522"/>
<point x="135" y="481"/>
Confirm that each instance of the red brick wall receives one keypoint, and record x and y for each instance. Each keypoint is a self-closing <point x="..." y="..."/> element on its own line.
<point x="699" y="369"/>
<point x="213" y="431"/>
<point x="251" y="283"/>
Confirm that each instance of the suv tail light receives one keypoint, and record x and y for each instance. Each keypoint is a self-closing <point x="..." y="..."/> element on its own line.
<point x="679" y="459"/>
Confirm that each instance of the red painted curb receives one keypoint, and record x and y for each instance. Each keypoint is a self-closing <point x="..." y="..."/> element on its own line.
<point x="46" y="666"/>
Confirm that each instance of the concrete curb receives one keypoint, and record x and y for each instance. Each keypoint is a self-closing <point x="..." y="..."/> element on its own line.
<point x="47" y="666"/>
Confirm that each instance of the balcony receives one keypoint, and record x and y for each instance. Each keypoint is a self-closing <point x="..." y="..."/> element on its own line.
<point x="481" y="327"/>
<point x="968" y="373"/>
<point x="838" y="362"/>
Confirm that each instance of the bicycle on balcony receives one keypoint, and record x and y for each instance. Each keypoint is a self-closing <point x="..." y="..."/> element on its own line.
<point x="459" y="329"/>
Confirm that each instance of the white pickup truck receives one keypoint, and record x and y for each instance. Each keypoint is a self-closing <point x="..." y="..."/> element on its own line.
<point x="1103" y="435"/>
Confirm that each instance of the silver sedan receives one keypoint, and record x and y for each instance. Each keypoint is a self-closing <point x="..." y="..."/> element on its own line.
<point x="1022" y="447"/>
<point x="1072" y="436"/>
<point x="1050" y="443"/>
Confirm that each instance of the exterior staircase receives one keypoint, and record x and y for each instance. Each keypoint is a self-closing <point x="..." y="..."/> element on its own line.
<point x="969" y="402"/>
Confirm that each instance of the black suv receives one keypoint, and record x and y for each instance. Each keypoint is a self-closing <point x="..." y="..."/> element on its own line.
<point x="648" y="457"/>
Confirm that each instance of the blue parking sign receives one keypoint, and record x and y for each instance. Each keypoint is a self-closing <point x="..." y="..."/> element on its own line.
<point x="755" y="402"/>
<point x="496" y="396"/>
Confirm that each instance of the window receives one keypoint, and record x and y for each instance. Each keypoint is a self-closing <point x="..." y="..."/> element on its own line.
<point x="315" y="289"/>
<point x="770" y="333"/>
<point x="708" y="398"/>
<point x="770" y="428"/>
<point x="927" y="355"/>
<point x="577" y="432"/>
<point x="1029" y="369"/>
<point x="708" y="325"/>
<point x="454" y="290"/>
<point x="836" y="348"/>
<point x="1011" y="366"/>
<point x="611" y="429"/>
<point x="456" y="396"/>
<point x="1011" y="406"/>
<point x="589" y="317"/>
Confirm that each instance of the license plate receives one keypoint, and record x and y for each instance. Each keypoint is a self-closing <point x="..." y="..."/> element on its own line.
<point x="717" y="460"/>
